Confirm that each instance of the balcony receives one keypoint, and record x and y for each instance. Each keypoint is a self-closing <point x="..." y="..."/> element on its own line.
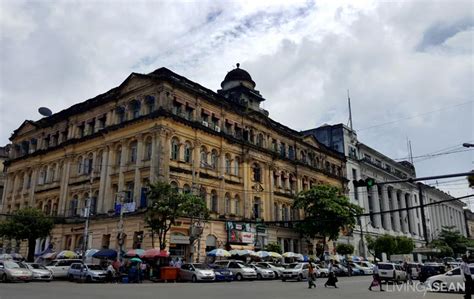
<point x="390" y="170"/>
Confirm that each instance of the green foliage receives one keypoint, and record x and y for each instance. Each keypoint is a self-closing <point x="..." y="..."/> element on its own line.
<point x="344" y="249"/>
<point x="405" y="245"/>
<point x="27" y="224"/>
<point x="444" y="249"/>
<point x="449" y="237"/>
<point x="167" y="205"/>
<point x="389" y="245"/>
<point x="274" y="247"/>
<point x="327" y="212"/>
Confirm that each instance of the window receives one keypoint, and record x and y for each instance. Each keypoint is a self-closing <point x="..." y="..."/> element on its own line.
<point x="130" y="186"/>
<point x="148" y="149"/>
<point x="88" y="161"/>
<point x="120" y="112"/>
<point x="291" y="152"/>
<point x="237" y="205"/>
<point x="93" y="206"/>
<point x="133" y="152"/>
<point x="214" y="159"/>
<point x="228" y="164"/>
<point x="134" y="109"/>
<point x="214" y="201"/>
<point x="227" y="204"/>
<point x="260" y="140"/>
<point x="174" y="149"/>
<point x="203" y="157"/>
<point x="187" y="153"/>
<point x="257" y="173"/>
<point x="80" y="129"/>
<point x="186" y="189"/>
<point x="203" y="194"/>
<point x="102" y="121"/>
<point x="236" y="166"/>
<point x="256" y="208"/>
<point x="150" y="103"/>
<point x="282" y="149"/>
<point x="118" y="156"/>
<point x="73" y="206"/>
<point x="276" y="212"/>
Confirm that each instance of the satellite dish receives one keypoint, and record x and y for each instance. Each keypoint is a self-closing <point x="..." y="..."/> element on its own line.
<point x="45" y="111"/>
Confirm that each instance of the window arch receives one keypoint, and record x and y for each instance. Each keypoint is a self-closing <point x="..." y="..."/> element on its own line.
<point x="134" y="108"/>
<point x="132" y="152"/>
<point x="227" y="204"/>
<point x="237" y="205"/>
<point x="257" y="172"/>
<point x="188" y="152"/>
<point x="214" y="201"/>
<point x="174" y="186"/>
<point x="214" y="159"/>
<point x="186" y="189"/>
<point x="73" y="206"/>
<point x="228" y="164"/>
<point x="174" y="149"/>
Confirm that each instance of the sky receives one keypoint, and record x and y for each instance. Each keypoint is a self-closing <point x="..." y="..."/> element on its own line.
<point x="408" y="65"/>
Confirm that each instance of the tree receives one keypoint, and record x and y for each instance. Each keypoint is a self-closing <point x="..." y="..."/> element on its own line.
<point x="167" y="205"/>
<point x="405" y="245"/>
<point x="453" y="239"/>
<point x="274" y="247"/>
<point x="444" y="249"/>
<point x="27" y="224"/>
<point x="389" y="245"/>
<point x="344" y="249"/>
<point x="327" y="212"/>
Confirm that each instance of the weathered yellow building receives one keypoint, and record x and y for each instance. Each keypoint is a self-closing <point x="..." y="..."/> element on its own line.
<point x="163" y="126"/>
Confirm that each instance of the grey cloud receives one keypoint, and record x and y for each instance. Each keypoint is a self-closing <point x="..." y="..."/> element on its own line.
<point x="439" y="32"/>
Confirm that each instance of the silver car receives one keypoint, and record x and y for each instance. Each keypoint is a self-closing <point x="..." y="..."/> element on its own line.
<point x="12" y="271"/>
<point x="39" y="272"/>
<point x="263" y="273"/>
<point x="278" y="269"/>
<point x="196" y="272"/>
<point x="238" y="269"/>
<point x="88" y="273"/>
<point x="298" y="271"/>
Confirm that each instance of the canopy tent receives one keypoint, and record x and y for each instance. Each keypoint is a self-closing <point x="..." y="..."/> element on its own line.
<point x="67" y="254"/>
<point x="219" y="253"/>
<point x="155" y="253"/>
<point x="105" y="254"/>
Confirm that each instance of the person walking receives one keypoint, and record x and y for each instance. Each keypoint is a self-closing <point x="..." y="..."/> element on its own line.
<point x="332" y="279"/>
<point x="311" y="276"/>
<point x="376" y="278"/>
<point x="466" y="271"/>
<point x="111" y="273"/>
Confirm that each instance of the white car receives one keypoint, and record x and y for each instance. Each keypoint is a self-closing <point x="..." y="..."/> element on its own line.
<point x="59" y="268"/>
<point x="298" y="271"/>
<point x="322" y="272"/>
<point x="263" y="273"/>
<point x="365" y="270"/>
<point x="40" y="272"/>
<point x="366" y="264"/>
<point x="88" y="273"/>
<point x="238" y="269"/>
<point x="392" y="272"/>
<point x="196" y="272"/>
<point x="278" y="269"/>
<point x="451" y="281"/>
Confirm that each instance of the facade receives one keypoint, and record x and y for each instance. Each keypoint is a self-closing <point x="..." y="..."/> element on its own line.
<point x="469" y="220"/>
<point x="162" y="126"/>
<point x="365" y="162"/>
<point x="3" y="158"/>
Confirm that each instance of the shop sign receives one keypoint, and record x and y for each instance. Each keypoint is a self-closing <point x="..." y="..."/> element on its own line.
<point x="179" y="239"/>
<point x="247" y="237"/>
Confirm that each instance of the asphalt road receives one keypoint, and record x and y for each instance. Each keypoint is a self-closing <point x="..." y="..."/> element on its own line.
<point x="349" y="287"/>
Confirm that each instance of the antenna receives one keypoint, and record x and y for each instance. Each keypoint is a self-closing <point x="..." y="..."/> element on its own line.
<point x="350" y="110"/>
<point x="410" y="152"/>
<point x="45" y="111"/>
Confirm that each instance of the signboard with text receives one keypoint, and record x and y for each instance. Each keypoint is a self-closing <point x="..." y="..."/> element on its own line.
<point x="239" y="233"/>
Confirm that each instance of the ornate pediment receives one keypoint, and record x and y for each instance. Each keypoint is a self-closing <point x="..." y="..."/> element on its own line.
<point x="26" y="126"/>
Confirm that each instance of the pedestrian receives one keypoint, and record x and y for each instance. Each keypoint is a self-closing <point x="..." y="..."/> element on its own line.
<point x="144" y="268"/>
<point x="349" y="269"/>
<point x="178" y="263"/>
<point x="111" y="273"/>
<point x="376" y="278"/>
<point x="409" y="268"/>
<point x="311" y="276"/>
<point x="332" y="279"/>
<point x="466" y="271"/>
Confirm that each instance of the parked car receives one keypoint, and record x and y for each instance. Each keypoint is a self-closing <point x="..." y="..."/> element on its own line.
<point x="298" y="271"/>
<point x="431" y="269"/>
<point x="392" y="272"/>
<point x="451" y="281"/>
<point x="87" y="273"/>
<point x="40" y="272"/>
<point x="414" y="270"/>
<point x="196" y="272"/>
<point x="322" y="271"/>
<point x="339" y="270"/>
<point x="278" y="269"/>
<point x="12" y="271"/>
<point x="238" y="269"/>
<point x="221" y="273"/>
<point x="263" y="273"/>
<point x="366" y="264"/>
<point x="364" y="270"/>
<point x="61" y="267"/>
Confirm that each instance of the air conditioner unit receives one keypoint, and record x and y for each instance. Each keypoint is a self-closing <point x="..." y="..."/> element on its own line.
<point x="205" y="123"/>
<point x="218" y="129"/>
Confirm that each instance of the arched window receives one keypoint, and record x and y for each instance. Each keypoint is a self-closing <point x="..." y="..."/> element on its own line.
<point x="228" y="164"/>
<point x="98" y="162"/>
<point x="186" y="189"/>
<point x="120" y="113"/>
<point x="133" y="152"/>
<point x="227" y="204"/>
<point x="93" y="205"/>
<point x="328" y="166"/>
<point x="73" y="206"/>
<point x="47" y="208"/>
<point x="276" y="212"/>
<point x="174" y="149"/>
<point x="237" y="205"/>
<point x="237" y="166"/>
<point x="303" y="157"/>
<point x="51" y="178"/>
<point x="257" y="173"/>
<point x="174" y="186"/>
<point x="134" y="107"/>
<point x="214" y="201"/>
<point x="148" y="149"/>
<point x="284" y="215"/>
<point x="150" y="103"/>
<point x="203" y="157"/>
<point x="203" y="193"/>
<point x="188" y="153"/>
<point x="292" y="182"/>
<point x="260" y="140"/>
<point x="88" y="164"/>
<point x="80" y="165"/>
<point x="214" y="159"/>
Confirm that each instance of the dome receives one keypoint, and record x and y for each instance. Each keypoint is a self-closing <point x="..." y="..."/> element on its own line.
<point x="239" y="75"/>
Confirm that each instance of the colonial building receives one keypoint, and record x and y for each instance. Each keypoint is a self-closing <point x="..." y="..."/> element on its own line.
<point x="162" y="126"/>
<point x="365" y="162"/>
<point x="3" y="158"/>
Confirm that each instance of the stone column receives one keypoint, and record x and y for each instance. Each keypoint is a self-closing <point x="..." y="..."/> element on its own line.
<point x="138" y="165"/>
<point x="123" y="164"/>
<point x="64" y="186"/>
<point x="376" y="203"/>
<point x="245" y="168"/>
<point x="154" y="158"/>
<point x="396" y="215"/>
<point x="386" y="207"/>
<point x="412" y="214"/>
<point x="404" y="214"/>
<point x="104" y="170"/>
<point x="109" y="196"/>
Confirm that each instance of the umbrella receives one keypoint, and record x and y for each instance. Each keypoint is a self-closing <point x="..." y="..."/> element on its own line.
<point x="289" y="254"/>
<point x="6" y="256"/>
<point x="241" y="252"/>
<point x="154" y="253"/>
<point x="134" y="253"/>
<point x="219" y="252"/>
<point x="49" y="256"/>
<point x="274" y="254"/>
<point x="91" y="252"/>
<point x="299" y="257"/>
<point x="136" y="259"/>
<point x="261" y="254"/>
<point x="66" y="254"/>
<point x="105" y="254"/>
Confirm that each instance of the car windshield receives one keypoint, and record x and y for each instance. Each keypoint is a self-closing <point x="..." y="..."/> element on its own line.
<point x="11" y="265"/>
<point x="94" y="267"/>
<point x="37" y="266"/>
<point x="201" y="266"/>
<point x="294" y="266"/>
<point x="385" y="267"/>
<point x="275" y="265"/>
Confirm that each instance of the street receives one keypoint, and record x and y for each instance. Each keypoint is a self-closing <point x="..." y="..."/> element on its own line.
<point x="349" y="287"/>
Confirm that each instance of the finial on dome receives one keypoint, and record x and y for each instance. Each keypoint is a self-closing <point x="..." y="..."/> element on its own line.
<point x="238" y="65"/>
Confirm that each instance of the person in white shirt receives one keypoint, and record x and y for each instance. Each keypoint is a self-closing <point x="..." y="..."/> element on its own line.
<point x="466" y="271"/>
<point x="376" y="278"/>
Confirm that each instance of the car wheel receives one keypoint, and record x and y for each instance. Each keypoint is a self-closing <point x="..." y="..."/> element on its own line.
<point x="4" y="278"/>
<point x="276" y="274"/>
<point x="88" y="279"/>
<point x="300" y="277"/>
<point x="70" y="278"/>
<point x="239" y="277"/>
<point x="259" y="276"/>
<point x="323" y="274"/>
<point x="194" y="278"/>
<point x="283" y="279"/>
